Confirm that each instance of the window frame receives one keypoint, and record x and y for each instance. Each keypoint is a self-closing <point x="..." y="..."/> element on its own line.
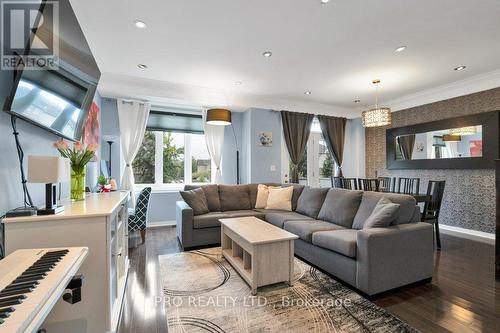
<point x="158" y="185"/>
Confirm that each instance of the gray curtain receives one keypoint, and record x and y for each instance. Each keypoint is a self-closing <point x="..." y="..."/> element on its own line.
<point x="406" y="144"/>
<point x="333" y="129"/>
<point x="296" y="130"/>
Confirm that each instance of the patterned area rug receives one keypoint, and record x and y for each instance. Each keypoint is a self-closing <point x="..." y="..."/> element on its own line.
<point x="203" y="293"/>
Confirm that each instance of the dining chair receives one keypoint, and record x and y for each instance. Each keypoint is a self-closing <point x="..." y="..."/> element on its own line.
<point x="345" y="183"/>
<point x="369" y="184"/>
<point x="387" y="184"/>
<point x="432" y="206"/>
<point x="138" y="216"/>
<point x="408" y="185"/>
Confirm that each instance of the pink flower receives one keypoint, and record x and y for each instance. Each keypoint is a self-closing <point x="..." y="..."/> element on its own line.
<point x="78" y="146"/>
<point x="93" y="147"/>
<point x="61" y="144"/>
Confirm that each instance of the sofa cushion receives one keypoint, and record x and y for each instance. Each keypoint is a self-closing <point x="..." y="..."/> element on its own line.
<point x="280" y="198"/>
<point x="370" y="199"/>
<point x="234" y="197"/>
<point x="306" y="228"/>
<point x="340" y="241"/>
<point x="262" y="195"/>
<point x="383" y="214"/>
<point x="253" y="189"/>
<point x="297" y="191"/>
<point x="211" y="193"/>
<point x="209" y="220"/>
<point x="196" y="200"/>
<point x="278" y="219"/>
<point x="244" y="213"/>
<point x="340" y="206"/>
<point x="310" y="201"/>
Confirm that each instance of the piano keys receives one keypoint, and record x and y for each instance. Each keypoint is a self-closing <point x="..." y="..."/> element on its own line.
<point x="31" y="282"/>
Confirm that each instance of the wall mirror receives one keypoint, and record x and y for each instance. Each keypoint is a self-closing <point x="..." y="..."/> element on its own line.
<point x="469" y="142"/>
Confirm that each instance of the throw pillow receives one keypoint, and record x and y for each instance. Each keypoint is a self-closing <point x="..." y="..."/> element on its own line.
<point x="280" y="198"/>
<point x="383" y="214"/>
<point x="310" y="201"/>
<point x="262" y="195"/>
<point x="197" y="200"/>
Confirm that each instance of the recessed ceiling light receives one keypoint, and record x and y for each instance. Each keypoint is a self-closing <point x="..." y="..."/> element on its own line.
<point x="357" y="101"/>
<point x="324" y="1"/>
<point x="238" y="83"/>
<point x="400" y="49"/>
<point x="140" y="24"/>
<point x="142" y="66"/>
<point x="460" y="68"/>
<point x="267" y="54"/>
<point x="307" y="93"/>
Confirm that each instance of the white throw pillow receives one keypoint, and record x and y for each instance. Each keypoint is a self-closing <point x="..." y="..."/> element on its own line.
<point x="280" y="198"/>
<point x="262" y="194"/>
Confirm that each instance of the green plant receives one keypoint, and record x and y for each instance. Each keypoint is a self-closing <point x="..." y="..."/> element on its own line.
<point x="101" y="180"/>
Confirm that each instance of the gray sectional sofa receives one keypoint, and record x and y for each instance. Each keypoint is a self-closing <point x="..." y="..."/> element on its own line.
<point x="329" y="223"/>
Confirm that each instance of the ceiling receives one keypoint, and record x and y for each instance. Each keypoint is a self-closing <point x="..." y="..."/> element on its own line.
<point x="199" y="48"/>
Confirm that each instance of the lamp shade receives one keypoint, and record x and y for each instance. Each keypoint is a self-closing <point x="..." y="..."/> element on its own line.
<point x="48" y="169"/>
<point x="219" y="117"/>
<point x="376" y="117"/>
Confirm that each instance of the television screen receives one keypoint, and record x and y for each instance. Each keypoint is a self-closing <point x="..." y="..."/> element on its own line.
<point x="57" y="98"/>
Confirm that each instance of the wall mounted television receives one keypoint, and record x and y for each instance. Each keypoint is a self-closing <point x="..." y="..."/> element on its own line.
<point x="56" y="99"/>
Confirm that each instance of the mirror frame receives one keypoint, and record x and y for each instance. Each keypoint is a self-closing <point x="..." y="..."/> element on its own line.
<point x="490" y="123"/>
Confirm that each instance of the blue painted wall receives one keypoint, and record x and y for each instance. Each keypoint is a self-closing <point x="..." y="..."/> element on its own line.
<point x="262" y="158"/>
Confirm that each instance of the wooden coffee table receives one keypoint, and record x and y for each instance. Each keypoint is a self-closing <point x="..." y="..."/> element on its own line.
<point x="261" y="253"/>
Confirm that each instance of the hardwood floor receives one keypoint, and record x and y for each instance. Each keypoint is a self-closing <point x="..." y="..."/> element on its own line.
<point x="463" y="296"/>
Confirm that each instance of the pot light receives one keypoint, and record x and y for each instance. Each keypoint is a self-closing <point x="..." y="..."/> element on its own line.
<point x="400" y="49"/>
<point x="267" y="54"/>
<point x="142" y="66"/>
<point x="324" y="1"/>
<point x="460" y="68"/>
<point x="140" y="24"/>
<point x="307" y="93"/>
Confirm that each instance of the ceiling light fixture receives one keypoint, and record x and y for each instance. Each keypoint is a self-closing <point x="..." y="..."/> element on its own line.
<point x="267" y="54"/>
<point x="463" y="131"/>
<point x="142" y="66"/>
<point x="324" y="1"/>
<point x="459" y="68"/>
<point x="307" y="93"/>
<point x="140" y="24"/>
<point x="378" y="116"/>
<point x="400" y="49"/>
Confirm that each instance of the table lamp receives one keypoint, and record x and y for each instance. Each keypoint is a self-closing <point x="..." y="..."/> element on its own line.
<point x="49" y="170"/>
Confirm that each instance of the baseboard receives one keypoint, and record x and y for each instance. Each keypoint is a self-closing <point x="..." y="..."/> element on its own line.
<point x="157" y="224"/>
<point x="467" y="233"/>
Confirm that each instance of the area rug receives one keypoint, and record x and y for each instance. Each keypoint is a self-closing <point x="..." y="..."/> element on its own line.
<point x="203" y="293"/>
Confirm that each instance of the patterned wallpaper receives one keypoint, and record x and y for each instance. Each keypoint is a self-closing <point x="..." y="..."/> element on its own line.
<point x="469" y="200"/>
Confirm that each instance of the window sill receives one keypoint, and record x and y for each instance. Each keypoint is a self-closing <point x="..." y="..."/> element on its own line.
<point x="172" y="188"/>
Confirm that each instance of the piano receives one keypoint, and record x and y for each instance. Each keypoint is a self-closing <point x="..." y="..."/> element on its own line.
<point x="31" y="282"/>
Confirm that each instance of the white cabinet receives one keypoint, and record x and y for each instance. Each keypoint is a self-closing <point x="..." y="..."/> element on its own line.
<point x="99" y="223"/>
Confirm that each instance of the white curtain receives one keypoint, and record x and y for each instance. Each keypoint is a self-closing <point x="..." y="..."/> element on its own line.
<point x="132" y="117"/>
<point x="214" y="136"/>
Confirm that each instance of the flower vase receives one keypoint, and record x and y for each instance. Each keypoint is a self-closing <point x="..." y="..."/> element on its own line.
<point x="77" y="185"/>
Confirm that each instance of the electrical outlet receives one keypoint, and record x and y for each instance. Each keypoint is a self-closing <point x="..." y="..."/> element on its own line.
<point x="273" y="167"/>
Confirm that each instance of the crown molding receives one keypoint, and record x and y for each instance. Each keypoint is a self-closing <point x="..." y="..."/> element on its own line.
<point x="167" y="93"/>
<point x="467" y="86"/>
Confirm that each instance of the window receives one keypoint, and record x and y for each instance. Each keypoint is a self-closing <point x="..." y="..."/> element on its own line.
<point x="173" y="155"/>
<point x="317" y="165"/>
